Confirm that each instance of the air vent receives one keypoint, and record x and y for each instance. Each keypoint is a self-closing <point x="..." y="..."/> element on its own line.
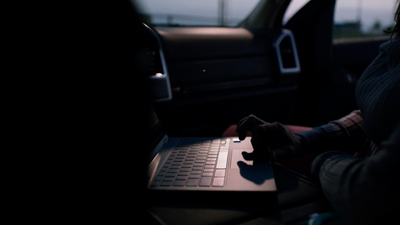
<point x="287" y="53"/>
<point x="154" y="66"/>
<point x="151" y="61"/>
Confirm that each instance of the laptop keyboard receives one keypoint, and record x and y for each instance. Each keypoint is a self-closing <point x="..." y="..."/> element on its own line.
<point x="197" y="162"/>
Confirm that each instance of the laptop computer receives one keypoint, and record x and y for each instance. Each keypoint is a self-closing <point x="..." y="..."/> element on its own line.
<point x="204" y="164"/>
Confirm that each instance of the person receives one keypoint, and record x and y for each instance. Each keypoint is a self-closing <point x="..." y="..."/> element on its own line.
<point x="357" y="166"/>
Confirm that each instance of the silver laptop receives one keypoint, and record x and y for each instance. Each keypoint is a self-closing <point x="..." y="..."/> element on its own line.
<point x="212" y="164"/>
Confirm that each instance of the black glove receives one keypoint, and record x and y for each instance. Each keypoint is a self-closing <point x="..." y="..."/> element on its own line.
<point x="270" y="140"/>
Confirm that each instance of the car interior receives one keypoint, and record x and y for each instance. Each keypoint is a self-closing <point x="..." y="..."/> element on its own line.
<point x="207" y="78"/>
<point x="204" y="79"/>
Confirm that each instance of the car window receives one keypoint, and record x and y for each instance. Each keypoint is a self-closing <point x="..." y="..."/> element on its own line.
<point x="225" y="13"/>
<point x="363" y="18"/>
<point x="355" y="18"/>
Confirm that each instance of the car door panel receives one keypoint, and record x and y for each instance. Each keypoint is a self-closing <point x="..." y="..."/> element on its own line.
<point x="198" y="56"/>
<point x="223" y="71"/>
<point x="186" y="43"/>
<point x="218" y="75"/>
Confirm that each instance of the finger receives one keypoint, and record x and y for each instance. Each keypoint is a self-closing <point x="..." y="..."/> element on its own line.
<point x="259" y="139"/>
<point x="242" y="127"/>
<point x="278" y="135"/>
<point x="248" y="156"/>
<point x="255" y="120"/>
<point x="247" y="124"/>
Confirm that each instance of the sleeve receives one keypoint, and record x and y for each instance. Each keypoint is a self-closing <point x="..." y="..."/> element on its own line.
<point x="365" y="191"/>
<point x="345" y="134"/>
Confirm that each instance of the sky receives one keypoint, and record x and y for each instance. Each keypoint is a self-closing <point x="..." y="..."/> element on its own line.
<point x="346" y="10"/>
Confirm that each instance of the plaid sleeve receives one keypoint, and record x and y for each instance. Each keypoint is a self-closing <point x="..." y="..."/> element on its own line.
<point x="345" y="134"/>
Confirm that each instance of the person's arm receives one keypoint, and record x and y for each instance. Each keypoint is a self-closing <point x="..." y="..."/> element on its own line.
<point x="344" y="134"/>
<point x="363" y="190"/>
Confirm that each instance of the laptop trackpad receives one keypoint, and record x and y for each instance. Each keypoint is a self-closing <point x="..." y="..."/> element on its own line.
<point x="237" y="156"/>
<point x="255" y="171"/>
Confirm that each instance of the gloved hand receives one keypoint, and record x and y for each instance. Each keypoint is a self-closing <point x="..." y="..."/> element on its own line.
<point x="270" y="140"/>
